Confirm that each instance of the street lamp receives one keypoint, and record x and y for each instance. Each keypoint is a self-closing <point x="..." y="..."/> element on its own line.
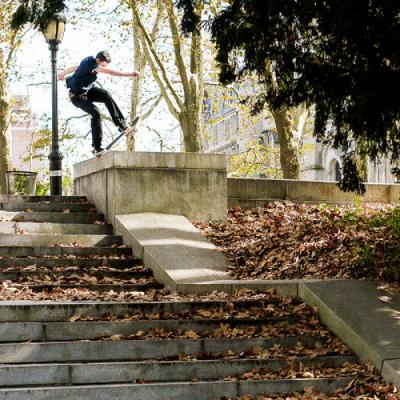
<point x="54" y="33"/>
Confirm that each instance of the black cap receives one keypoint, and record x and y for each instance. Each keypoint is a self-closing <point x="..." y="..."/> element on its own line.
<point x="103" y="56"/>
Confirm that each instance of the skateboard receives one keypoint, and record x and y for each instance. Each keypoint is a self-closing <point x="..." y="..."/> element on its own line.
<point x="127" y="131"/>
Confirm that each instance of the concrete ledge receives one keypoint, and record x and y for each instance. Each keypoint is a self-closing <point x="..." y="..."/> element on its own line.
<point x="353" y="311"/>
<point x="248" y="192"/>
<point x="124" y="159"/>
<point x="189" y="184"/>
<point x="172" y="248"/>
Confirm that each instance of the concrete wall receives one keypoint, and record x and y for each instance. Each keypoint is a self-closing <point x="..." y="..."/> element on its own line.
<point x="188" y="184"/>
<point x="255" y="192"/>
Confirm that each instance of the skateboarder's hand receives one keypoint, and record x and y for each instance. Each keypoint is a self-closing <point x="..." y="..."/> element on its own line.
<point x="135" y="74"/>
<point x="61" y="76"/>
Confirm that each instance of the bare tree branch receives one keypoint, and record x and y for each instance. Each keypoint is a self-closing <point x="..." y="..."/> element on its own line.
<point x="148" y="46"/>
<point x="152" y="108"/>
<point x="39" y="84"/>
<point x="174" y="111"/>
<point x="178" y="46"/>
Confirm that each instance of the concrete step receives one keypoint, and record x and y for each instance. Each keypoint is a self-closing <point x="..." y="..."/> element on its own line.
<point x="62" y="218"/>
<point x="54" y="228"/>
<point x="92" y="330"/>
<point x="52" y="199"/>
<point x="73" y="275"/>
<point x="174" y="390"/>
<point x="55" y="263"/>
<point x="47" y="207"/>
<point x="15" y="311"/>
<point x="150" y="371"/>
<point x="136" y="350"/>
<point x="67" y="239"/>
<point x="57" y="251"/>
<point x="101" y="288"/>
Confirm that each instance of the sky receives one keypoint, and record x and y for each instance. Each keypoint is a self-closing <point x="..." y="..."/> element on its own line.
<point x="33" y="67"/>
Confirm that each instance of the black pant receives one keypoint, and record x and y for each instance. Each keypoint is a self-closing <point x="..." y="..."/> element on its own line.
<point x="85" y="102"/>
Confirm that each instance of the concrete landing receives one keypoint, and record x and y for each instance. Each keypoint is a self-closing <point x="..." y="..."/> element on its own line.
<point x="364" y="317"/>
<point x="172" y="248"/>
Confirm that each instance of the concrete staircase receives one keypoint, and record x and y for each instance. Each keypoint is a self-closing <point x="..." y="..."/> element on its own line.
<point x="159" y="346"/>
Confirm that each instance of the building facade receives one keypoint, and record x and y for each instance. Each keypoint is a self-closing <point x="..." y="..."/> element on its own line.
<point x="23" y="135"/>
<point x="231" y="129"/>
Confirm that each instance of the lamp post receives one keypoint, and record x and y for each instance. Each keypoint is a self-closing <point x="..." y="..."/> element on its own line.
<point x="54" y="33"/>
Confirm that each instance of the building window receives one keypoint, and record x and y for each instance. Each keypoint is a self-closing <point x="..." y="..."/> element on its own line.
<point x="334" y="171"/>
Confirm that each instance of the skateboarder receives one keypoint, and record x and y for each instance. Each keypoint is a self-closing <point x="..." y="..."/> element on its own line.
<point x="83" y="94"/>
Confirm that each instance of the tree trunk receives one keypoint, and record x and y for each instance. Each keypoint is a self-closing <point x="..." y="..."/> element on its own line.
<point x="4" y="125"/>
<point x="190" y="132"/>
<point x="192" y="128"/>
<point x="187" y="109"/>
<point x="289" y="126"/>
<point x="137" y="84"/>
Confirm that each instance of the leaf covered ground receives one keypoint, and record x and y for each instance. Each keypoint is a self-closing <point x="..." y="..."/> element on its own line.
<point x="293" y="241"/>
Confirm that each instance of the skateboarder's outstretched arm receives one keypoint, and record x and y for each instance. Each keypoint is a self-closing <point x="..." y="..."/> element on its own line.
<point x="66" y="72"/>
<point x="113" y="72"/>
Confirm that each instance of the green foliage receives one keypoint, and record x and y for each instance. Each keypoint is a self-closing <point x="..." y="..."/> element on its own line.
<point x="190" y="19"/>
<point x="341" y="56"/>
<point x="382" y="263"/>
<point x="259" y="160"/>
<point x="391" y="220"/>
<point x="36" y="12"/>
<point x="20" y="184"/>
<point x="354" y="214"/>
<point x="365" y="255"/>
<point x="351" y="177"/>
<point x="351" y="216"/>
<point x="68" y="182"/>
<point x="323" y="206"/>
<point x="42" y="188"/>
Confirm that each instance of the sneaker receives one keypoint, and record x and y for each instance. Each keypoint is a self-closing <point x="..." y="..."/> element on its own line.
<point x="98" y="152"/>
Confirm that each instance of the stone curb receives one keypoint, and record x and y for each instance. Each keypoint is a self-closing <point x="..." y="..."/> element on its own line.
<point x="344" y="331"/>
<point x="356" y="330"/>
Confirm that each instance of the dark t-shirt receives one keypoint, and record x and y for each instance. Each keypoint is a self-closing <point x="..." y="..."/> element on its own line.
<point x="84" y="76"/>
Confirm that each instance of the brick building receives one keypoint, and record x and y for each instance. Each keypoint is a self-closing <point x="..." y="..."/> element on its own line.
<point x="23" y="134"/>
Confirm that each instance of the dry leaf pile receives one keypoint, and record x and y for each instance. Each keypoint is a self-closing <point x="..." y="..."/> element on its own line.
<point x="330" y="347"/>
<point x="296" y="371"/>
<point x="289" y="241"/>
<point x="9" y="292"/>
<point x="79" y="279"/>
<point x="69" y="269"/>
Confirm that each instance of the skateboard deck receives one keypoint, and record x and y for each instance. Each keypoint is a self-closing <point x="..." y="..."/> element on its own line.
<point x="127" y="131"/>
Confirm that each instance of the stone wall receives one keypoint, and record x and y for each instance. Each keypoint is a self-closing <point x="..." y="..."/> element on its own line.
<point x="247" y="192"/>
<point x="188" y="184"/>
